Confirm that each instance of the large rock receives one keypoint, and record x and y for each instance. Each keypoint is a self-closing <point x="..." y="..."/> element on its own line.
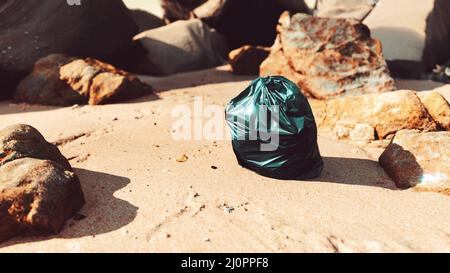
<point x="33" y="29"/>
<point x="149" y="6"/>
<point x="62" y="80"/>
<point x="145" y="20"/>
<point x="357" y="9"/>
<point x="328" y="57"/>
<point x="437" y="41"/>
<point x="8" y="82"/>
<point x="249" y="22"/>
<point x="175" y="10"/>
<point x="43" y="85"/>
<point x="246" y="60"/>
<point x="180" y="47"/>
<point x="38" y="190"/>
<point x="23" y="141"/>
<point x="420" y="160"/>
<point x="387" y="112"/>
<point x="438" y="107"/>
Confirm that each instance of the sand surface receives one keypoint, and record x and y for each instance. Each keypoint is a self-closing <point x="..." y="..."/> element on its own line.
<point x="139" y="199"/>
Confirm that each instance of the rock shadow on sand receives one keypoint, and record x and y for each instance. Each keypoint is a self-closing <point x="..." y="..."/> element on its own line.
<point x="103" y="212"/>
<point x="355" y="171"/>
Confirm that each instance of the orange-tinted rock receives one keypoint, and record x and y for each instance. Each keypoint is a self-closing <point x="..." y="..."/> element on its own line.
<point x="438" y="107"/>
<point x="387" y="112"/>
<point x="328" y="57"/>
<point x="30" y="30"/>
<point x="421" y="160"/>
<point x="38" y="189"/>
<point x="62" y="80"/>
<point x="247" y="59"/>
<point x="43" y="86"/>
<point x="102" y="82"/>
<point x="23" y="141"/>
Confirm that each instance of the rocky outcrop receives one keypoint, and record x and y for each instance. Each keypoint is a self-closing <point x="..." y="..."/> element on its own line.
<point x="175" y="10"/>
<point x="63" y="81"/>
<point x="38" y="189"/>
<point x="249" y="22"/>
<point x="357" y="9"/>
<point x="360" y="132"/>
<point x="30" y="30"/>
<point x="247" y="59"/>
<point x="387" y="113"/>
<point x="328" y="57"/>
<point x="180" y="47"/>
<point x="145" y="20"/>
<point x="438" y="107"/>
<point x="438" y="36"/>
<point x="420" y="160"/>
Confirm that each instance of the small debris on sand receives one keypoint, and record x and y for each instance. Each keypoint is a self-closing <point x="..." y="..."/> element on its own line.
<point x="228" y="209"/>
<point x="182" y="158"/>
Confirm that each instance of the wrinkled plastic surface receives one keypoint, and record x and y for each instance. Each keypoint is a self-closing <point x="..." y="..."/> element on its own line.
<point x="296" y="155"/>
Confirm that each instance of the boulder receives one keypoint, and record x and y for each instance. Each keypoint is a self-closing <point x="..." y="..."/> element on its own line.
<point x="209" y="9"/>
<point x="38" y="189"/>
<point x="8" y="82"/>
<point x="30" y="30"/>
<point x="249" y="22"/>
<point x="420" y="160"/>
<point x="43" y="85"/>
<point x="305" y="6"/>
<point x="437" y="40"/>
<point x="361" y="132"/>
<point x="247" y="59"/>
<point x="415" y="38"/>
<point x="387" y="113"/>
<point x="23" y="141"/>
<point x="180" y="47"/>
<point x="400" y="26"/>
<point x="328" y="57"/>
<point x="175" y="10"/>
<point x="63" y="81"/>
<point x="150" y="6"/>
<point x="438" y="107"/>
<point x="145" y="20"/>
<point x="357" y="9"/>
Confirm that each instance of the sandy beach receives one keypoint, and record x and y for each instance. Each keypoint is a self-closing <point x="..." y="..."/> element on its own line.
<point x="140" y="199"/>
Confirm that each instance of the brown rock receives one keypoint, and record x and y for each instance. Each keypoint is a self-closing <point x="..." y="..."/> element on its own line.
<point x="360" y="132"/>
<point x="437" y="106"/>
<point x="209" y="9"/>
<point x="328" y="57"/>
<point x="30" y="30"/>
<point x="38" y="190"/>
<point x="249" y="22"/>
<point x="363" y="132"/>
<point x="22" y="141"/>
<point x="101" y="82"/>
<point x="62" y="80"/>
<point x="387" y="112"/>
<point x="420" y="160"/>
<point x="43" y="86"/>
<point x="247" y="59"/>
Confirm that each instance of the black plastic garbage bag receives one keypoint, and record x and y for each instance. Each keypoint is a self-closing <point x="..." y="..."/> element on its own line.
<point x="273" y="130"/>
